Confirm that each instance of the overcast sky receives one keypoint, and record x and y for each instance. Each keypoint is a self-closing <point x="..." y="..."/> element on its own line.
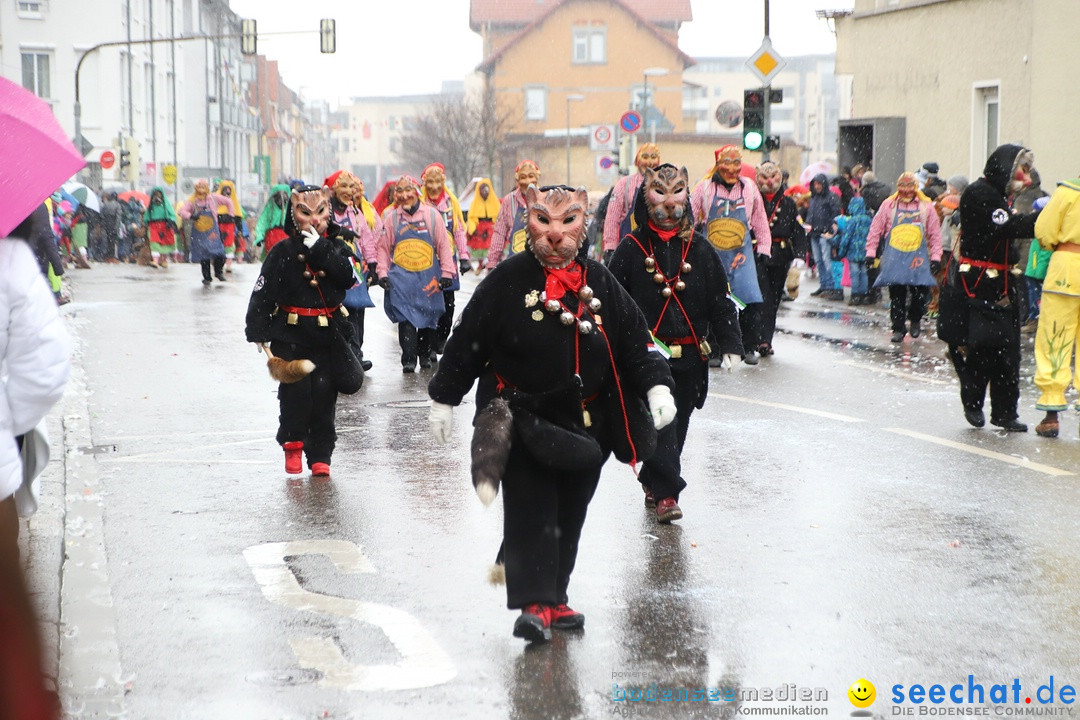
<point x="403" y="47"/>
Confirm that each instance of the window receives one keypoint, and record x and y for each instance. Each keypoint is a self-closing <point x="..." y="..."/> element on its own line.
<point x="35" y="73"/>
<point x="536" y="103"/>
<point x="987" y="114"/>
<point x="32" y="8"/>
<point x="589" y="45"/>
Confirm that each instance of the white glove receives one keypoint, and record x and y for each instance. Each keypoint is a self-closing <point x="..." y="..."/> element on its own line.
<point x="729" y="361"/>
<point x="661" y="406"/>
<point x="441" y="418"/>
<point x="311" y="236"/>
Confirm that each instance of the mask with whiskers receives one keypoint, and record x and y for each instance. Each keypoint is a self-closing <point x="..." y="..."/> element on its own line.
<point x="666" y="191"/>
<point x="311" y="208"/>
<point x="556" y="226"/>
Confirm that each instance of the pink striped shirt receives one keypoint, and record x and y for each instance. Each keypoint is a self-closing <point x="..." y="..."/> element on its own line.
<point x="431" y="218"/>
<point x="508" y="208"/>
<point x="707" y="190"/>
<point x="619" y="206"/>
<point x="883" y="220"/>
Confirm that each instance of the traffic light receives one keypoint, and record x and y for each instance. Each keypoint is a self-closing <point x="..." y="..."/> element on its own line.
<point x="129" y="159"/>
<point x="327" y="35"/>
<point x="753" y="119"/>
<point x="772" y="142"/>
<point x="249" y="37"/>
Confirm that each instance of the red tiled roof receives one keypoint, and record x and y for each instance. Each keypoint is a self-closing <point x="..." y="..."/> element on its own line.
<point x="490" y="62"/>
<point x="523" y="12"/>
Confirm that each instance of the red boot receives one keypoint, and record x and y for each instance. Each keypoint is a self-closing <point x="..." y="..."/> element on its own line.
<point x="320" y="469"/>
<point x="563" y="617"/>
<point x="294" y="457"/>
<point x="534" y="623"/>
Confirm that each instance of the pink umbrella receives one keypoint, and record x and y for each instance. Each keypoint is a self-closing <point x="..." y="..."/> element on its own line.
<point x="818" y="168"/>
<point x="38" y="157"/>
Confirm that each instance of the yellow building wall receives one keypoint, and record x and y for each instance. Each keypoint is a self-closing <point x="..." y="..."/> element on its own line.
<point x="938" y="53"/>
<point x="543" y="57"/>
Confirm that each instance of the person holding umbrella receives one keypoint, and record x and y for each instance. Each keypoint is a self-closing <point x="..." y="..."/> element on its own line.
<point x="206" y="244"/>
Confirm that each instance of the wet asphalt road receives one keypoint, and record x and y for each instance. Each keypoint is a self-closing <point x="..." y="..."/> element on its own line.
<point x="842" y="521"/>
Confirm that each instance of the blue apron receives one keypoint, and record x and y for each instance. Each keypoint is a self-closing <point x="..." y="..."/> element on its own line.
<point x="629" y="222"/>
<point x="357" y="297"/>
<point x="448" y="220"/>
<point x="414" y="296"/>
<point x="205" y="238"/>
<point x="905" y="260"/>
<point x="516" y="242"/>
<point x="729" y="232"/>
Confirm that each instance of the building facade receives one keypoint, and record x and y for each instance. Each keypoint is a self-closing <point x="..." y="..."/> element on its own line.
<point x="979" y="73"/>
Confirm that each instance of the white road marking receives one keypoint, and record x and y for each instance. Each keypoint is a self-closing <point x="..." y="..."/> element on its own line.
<point x="894" y="373"/>
<point x="423" y="663"/>
<point x="792" y="408"/>
<point x="1002" y="457"/>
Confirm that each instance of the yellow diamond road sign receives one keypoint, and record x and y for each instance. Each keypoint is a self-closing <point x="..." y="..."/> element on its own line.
<point x="766" y="63"/>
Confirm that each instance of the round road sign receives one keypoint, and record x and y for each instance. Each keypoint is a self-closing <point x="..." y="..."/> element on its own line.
<point x="630" y="121"/>
<point x="107" y="160"/>
<point x="602" y="135"/>
<point x="605" y="162"/>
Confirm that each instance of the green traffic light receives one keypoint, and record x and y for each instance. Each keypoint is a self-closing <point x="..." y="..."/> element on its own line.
<point x="752" y="140"/>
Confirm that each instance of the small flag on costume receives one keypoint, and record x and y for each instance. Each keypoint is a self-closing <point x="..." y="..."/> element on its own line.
<point x="659" y="347"/>
<point x="738" y="303"/>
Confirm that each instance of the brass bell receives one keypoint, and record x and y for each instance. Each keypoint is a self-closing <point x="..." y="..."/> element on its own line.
<point x="292" y="319"/>
<point x="344" y="311"/>
<point x="595" y="304"/>
<point x="313" y="282"/>
<point x="301" y="257"/>
<point x="680" y="285"/>
<point x="650" y="263"/>
<point x="584" y="327"/>
<point x="307" y="274"/>
<point x="567" y="318"/>
<point x="658" y="278"/>
<point x="586" y="293"/>
<point x="552" y="306"/>
<point x="687" y="267"/>
<point x="322" y="273"/>
<point x="323" y="321"/>
<point x="666" y="292"/>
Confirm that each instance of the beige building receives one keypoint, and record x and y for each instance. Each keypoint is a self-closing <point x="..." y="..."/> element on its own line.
<point x="968" y="75"/>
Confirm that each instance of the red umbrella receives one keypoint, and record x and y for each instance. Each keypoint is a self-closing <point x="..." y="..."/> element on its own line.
<point x="38" y="157"/>
<point x="140" y="196"/>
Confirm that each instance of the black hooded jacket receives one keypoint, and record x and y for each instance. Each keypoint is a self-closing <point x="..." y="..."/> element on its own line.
<point x="989" y="226"/>
<point x="787" y="231"/>
<point x="705" y="298"/>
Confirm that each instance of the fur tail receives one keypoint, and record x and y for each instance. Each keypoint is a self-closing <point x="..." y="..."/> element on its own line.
<point x="492" y="433"/>
<point x="497" y="572"/>
<point x="289" y="371"/>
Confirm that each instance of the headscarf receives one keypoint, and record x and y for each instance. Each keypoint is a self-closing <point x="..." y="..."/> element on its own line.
<point x="480" y="208"/>
<point x="272" y="216"/>
<point x="920" y="196"/>
<point x="224" y="209"/>
<point x="385" y="197"/>
<point x="369" y="212"/>
<point x="164" y="211"/>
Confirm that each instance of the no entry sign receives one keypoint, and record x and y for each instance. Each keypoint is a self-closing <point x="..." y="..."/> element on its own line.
<point x="107" y="159"/>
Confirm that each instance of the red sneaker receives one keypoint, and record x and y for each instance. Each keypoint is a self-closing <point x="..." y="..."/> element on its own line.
<point x="534" y="623"/>
<point x="320" y="470"/>
<point x="294" y="457"/>
<point x="563" y="617"/>
<point x="650" y="499"/>
<point x="667" y="510"/>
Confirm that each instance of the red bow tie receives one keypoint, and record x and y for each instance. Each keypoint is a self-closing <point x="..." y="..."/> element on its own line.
<point x="559" y="282"/>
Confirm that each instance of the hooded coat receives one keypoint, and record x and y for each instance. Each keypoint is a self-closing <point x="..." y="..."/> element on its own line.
<point x="824" y="206"/>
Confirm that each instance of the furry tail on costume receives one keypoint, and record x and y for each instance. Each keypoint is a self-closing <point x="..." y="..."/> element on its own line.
<point x="287" y="371"/>
<point x="497" y="572"/>
<point x="492" y="434"/>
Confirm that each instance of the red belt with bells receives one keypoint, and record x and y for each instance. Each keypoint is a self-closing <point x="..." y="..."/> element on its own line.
<point x="309" y="312"/>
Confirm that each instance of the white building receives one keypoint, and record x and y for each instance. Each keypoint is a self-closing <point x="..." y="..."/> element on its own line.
<point x="183" y="102"/>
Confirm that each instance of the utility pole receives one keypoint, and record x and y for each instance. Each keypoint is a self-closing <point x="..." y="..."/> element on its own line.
<point x="153" y="89"/>
<point x="767" y="92"/>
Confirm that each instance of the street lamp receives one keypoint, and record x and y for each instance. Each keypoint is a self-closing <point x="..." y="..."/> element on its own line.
<point x="648" y="73"/>
<point x="569" y="99"/>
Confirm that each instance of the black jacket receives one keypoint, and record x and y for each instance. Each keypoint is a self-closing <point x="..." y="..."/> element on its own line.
<point x="37" y="230"/>
<point x="990" y="227"/>
<point x="504" y="330"/>
<point x="788" y="235"/>
<point x="874" y="193"/>
<point x="281" y="282"/>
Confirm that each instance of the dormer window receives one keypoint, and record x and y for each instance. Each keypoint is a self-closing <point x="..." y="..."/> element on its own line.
<point x="589" y="45"/>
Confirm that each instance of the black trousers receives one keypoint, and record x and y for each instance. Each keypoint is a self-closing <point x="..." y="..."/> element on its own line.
<point x="662" y="473"/>
<point x="446" y="322"/>
<point x="356" y="339"/>
<point x="772" y="278"/>
<point x="999" y="368"/>
<point x="219" y="267"/>
<point x="307" y="407"/>
<point x="750" y="325"/>
<point x="414" y="343"/>
<point x="906" y="302"/>
<point x="543" y="513"/>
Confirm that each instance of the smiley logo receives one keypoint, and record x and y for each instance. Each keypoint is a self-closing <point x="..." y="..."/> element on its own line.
<point x="862" y="693"/>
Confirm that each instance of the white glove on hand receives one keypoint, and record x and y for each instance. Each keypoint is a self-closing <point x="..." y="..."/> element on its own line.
<point x="311" y="236"/>
<point x="661" y="406"/>
<point x="441" y="418"/>
<point x="729" y="361"/>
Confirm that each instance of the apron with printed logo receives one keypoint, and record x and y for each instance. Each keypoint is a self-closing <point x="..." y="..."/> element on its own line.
<point x="448" y="220"/>
<point x="905" y="260"/>
<point x="414" y="296"/>
<point x="516" y="241"/>
<point x="205" y="239"/>
<point x="729" y="232"/>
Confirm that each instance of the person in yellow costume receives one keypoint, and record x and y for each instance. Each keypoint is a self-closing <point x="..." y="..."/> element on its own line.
<point x="1058" y="229"/>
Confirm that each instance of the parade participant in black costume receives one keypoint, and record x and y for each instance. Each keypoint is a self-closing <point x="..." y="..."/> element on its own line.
<point x="559" y="346"/>
<point x="787" y="234"/>
<point x="979" y="314"/>
<point x="296" y="309"/>
<point x="678" y="281"/>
